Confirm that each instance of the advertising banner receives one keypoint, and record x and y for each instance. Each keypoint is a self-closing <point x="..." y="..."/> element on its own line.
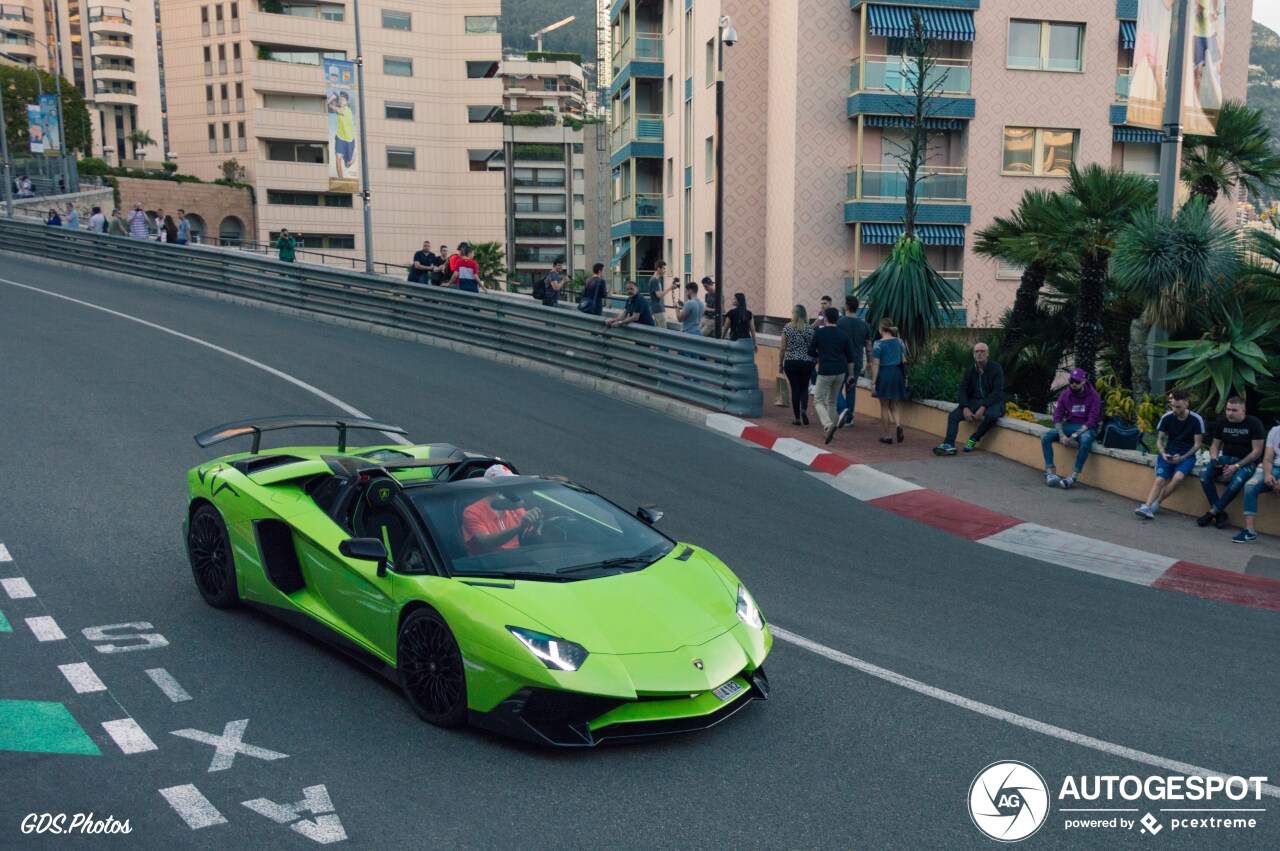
<point x="1150" y="56"/>
<point x="1202" y="83"/>
<point x="35" y="129"/>
<point x="52" y="118"/>
<point x="342" y="109"/>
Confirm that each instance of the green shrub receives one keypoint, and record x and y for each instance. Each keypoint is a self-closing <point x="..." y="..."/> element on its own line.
<point x="169" y="167"/>
<point x="938" y="373"/>
<point x="93" y="167"/>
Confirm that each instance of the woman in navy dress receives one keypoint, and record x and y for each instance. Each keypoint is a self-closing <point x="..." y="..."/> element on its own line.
<point x="888" y="378"/>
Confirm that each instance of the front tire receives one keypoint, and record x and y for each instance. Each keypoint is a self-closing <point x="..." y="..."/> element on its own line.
<point x="212" y="564"/>
<point x="431" y="671"/>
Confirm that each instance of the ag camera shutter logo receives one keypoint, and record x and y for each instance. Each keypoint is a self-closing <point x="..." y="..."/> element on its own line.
<point x="1008" y="801"/>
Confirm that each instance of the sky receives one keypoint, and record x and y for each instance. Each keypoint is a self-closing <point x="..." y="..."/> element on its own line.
<point x="1267" y="13"/>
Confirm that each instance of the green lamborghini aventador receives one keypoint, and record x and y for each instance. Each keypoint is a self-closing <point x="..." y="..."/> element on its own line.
<point x="526" y="605"/>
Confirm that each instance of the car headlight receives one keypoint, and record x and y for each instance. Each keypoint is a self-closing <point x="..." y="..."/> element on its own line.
<point x="748" y="611"/>
<point x="555" y="653"/>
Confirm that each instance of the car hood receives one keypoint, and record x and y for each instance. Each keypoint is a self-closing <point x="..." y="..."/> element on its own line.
<point x="668" y="605"/>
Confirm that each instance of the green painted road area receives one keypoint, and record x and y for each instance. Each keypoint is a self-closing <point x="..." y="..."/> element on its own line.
<point x="42" y="727"/>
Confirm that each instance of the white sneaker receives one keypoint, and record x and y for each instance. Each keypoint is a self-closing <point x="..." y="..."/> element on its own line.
<point x="1144" y="510"/>
<point x="1051" y="479"/>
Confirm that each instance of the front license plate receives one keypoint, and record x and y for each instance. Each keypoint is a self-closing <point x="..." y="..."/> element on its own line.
<point x="728" y="690"/>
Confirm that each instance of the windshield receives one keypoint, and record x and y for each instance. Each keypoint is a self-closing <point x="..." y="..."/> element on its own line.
<point x="531" y="528"/>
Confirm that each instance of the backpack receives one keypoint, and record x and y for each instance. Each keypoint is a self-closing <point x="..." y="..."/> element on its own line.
<point x="1117" y="434"/>
<point x="540" y="288"/>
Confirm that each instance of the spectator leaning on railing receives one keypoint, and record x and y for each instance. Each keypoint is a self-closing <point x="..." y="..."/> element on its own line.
<point x="637" y="309"/>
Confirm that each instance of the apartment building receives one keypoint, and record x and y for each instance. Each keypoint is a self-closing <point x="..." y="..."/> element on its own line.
<point x="557" y="177"/>
<point x="108" y="49"/>
<point x="244" y="81"/>
<point x="813" y="195"/>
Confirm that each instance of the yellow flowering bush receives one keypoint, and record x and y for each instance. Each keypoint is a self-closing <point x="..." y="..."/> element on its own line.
<point x="1012" y="410"/>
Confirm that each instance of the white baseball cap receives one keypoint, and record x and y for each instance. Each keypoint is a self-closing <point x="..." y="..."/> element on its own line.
<point x="498" y="470"/>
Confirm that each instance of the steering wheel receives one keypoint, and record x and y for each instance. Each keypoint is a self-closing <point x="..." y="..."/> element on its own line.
<point x="553" y="529"/>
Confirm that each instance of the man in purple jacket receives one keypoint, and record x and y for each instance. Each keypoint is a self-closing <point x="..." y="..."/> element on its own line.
<point x="1075" y="423"/>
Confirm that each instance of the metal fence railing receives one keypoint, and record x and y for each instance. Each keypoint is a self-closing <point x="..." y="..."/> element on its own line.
<point x="716" y="374"/>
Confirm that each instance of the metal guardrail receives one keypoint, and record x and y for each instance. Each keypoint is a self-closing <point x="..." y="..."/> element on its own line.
<point x="716" y="374"/>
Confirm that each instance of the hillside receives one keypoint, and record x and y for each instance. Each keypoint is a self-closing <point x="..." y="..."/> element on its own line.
<point x="520" y="18"/>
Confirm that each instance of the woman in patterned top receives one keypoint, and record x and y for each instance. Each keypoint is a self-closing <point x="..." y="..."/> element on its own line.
<point x="888" y="380"/>
<point x="796" y="363"/>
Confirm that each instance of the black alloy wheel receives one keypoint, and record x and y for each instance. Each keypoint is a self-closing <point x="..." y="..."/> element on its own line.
<point x="212" y="565"/>
<point x="431" y="671"/>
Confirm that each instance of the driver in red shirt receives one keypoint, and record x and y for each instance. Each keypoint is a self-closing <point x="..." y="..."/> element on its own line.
<point x="486" y="529"/>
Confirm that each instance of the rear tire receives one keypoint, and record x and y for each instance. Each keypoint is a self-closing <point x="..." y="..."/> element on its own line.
<point x="431" y="671"/>
<point x="212" y="563"/>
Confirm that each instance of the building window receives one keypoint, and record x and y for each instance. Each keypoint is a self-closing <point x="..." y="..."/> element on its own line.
<point x="298" y="57"/>
<point x="544" y="178"/>
<point x="671" y="95"/>
<point x="711" y="61"/>
<point x="478" y="159"/>
<point x="213" y="135"/>
<point x="1039" y="151"/>
<point x="396" y="20"/>
<point x="1008" y="271"/>
<point x="404" y="158"/>
<point x="579" y="250"/>
<point x="483" y="114"/>
<point x="332" y="12"/>
<point x="294" y="103"/>
<point x="578" y="175"/>
<point x="671" y="176"/>
<point x="307" y="199"/>
<point x="204" y="14"/>
<point x="235" y="11"/>
<point x="709" y="157"/>
<point x="579" y="200"/>
<point x="1140" y="158"/>
<point x="1046" y="46"/>
<point x="397" y="66"/>
<point x="217" y="12"/>
<point x="399" y="111"/>
<point x="708" y="253"/>
<point x="209" y="107"/>
<point x="579" y="224"/>
<point x="481" y="23"/>
<point x="241" y="142"/>
<point x="239" y="97"/>
<point x="482" y="69"/>
<point x="318" y="241"/>
<point x="298" y="152"/>
<point x="538" y="203"/>
<point x="550" y="84"/>
<point x="577" y="147"/>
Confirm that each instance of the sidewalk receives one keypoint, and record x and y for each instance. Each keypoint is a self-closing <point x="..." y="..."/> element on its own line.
<point x="1009" y="488"/>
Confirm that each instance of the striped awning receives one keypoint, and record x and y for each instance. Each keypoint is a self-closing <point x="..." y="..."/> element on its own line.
<point x="1135" y="134"/>
<point x="944" y="24"/>
<point x="1128" y="34"/>
<point x="906" y="121"/>
<point x="875" y="233"/>
<point x="621" y="252"/>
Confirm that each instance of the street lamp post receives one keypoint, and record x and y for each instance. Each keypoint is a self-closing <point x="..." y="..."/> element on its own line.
<point x="364" y="147"/>
<point x="4" y="153"/>
<point x="728" y="37"/>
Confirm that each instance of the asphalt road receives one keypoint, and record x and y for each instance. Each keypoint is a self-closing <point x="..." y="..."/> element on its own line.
<point x="96" y="418"/>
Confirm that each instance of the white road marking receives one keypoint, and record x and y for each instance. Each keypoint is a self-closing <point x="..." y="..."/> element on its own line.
<point x="1080" y="553"/>
<point x="82" y="677"/>
<point x="168" y="684"/>
<point x="129" y="736"/>
<point x="866" y="483"/>
<point x="150" y="640"/>
<point x="727" y="424"/>
<point x="45" y="628"/>
<point x="297" y="382"/>
<point x="797" y="450"/>
<point x="1003" y="715"/>
<point x="194" y="808"/>
<point x="229" y="744"/>
<point x="17" y="588"/>
<point x="325" y="828"/>
<point x="4" y="553"/>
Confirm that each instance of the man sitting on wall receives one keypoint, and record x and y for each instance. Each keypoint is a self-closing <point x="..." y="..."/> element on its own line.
<point x="981" y="398"/>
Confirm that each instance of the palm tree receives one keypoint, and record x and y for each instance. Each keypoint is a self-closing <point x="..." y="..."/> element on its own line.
<point x="1240" y="153"/>
<point x="1174" y="267"/>
<point x="1098" y="202"/>
<point x="141" y="140"/>
<point x="1028" y="238"/>
<point x="491" y="258"/>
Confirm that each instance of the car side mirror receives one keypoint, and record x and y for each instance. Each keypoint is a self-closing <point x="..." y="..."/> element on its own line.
<point x="649" y="513"/>
<point x="366" y="549"/>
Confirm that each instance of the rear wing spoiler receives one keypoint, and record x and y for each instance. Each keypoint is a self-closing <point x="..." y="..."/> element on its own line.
<point x="256" y="427"/>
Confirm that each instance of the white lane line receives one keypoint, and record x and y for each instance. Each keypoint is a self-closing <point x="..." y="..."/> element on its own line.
<point x="45" y="628"/>
<point x="297" y="382"/>
<point x="1003" y="715"/>
<point x="129" y="736"/>
<point x="194" y="808"/>
<point x="82" y="677"/>
<point x="1080" y="553"/>
<point x="4" y="553"/>
<point x="168" y="684"/>
<point x="17" y="588"/>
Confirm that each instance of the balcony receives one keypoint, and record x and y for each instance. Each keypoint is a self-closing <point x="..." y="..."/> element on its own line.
<point x="541" y="229"/>
<point x="639" y="206"/>
<point x="285" y="124"/>
<point x="284" y="77"/>
<point x="643" y="127"/>
<point x="267" y="28"/>
<point x="544" y="255"/>
<point x="887" y="182"/>
<point x="896" y="74"/>
<point x="642" y="47"/>
<point x="112" y="47"/>
<point x="110" y="20"/>
<point x="1124" y="76"/>
<point x="537" y="183"/>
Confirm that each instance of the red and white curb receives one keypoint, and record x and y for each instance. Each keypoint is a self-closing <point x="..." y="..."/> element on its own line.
<point x="1003" y="532"/>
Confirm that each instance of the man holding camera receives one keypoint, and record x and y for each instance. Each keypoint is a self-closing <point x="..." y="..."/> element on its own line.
<point x="1178" y="439"/>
